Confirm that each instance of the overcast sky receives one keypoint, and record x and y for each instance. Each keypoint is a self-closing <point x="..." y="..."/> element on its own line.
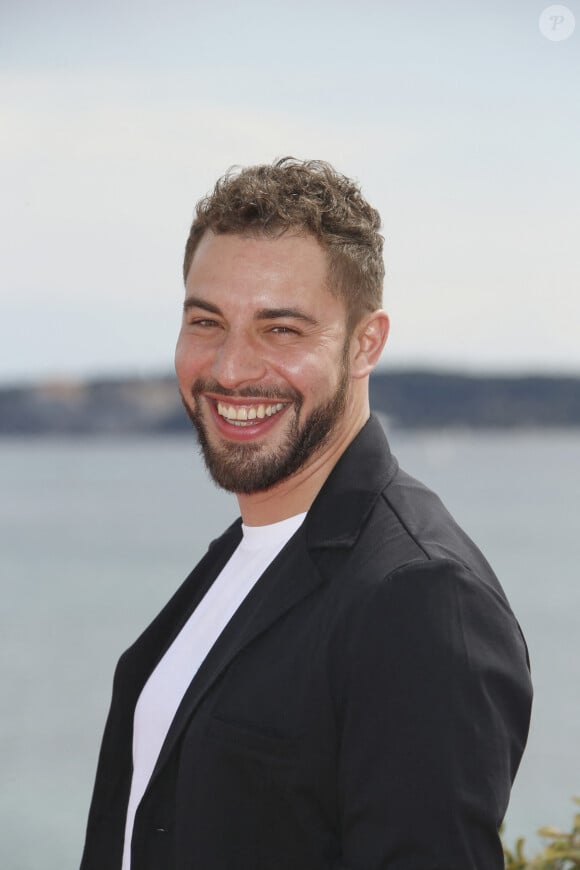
<point x="460" y="119"/>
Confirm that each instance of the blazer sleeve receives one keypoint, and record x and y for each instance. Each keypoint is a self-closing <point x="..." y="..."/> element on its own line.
<point x="433" y="698"/>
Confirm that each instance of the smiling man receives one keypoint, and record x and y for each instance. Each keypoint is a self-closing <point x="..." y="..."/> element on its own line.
<point x="340" y="683"/>
<point x="269" y="370"/>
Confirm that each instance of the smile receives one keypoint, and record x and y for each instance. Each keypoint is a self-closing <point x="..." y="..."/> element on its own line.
<point x="244" y="415"/>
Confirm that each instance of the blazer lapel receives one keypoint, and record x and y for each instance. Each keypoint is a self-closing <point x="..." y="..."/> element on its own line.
<point x="144" y="655"/>
<point x="138" y="662"/>
<point x="290" y="578"/>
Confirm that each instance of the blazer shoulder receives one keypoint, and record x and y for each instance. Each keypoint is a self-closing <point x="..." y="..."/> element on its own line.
<point x="420" y="528"/>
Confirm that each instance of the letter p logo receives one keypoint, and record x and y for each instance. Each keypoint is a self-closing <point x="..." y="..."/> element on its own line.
<point x="557" y="23"/>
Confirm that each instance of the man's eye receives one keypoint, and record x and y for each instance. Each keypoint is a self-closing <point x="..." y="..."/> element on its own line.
<point x="284" y="330"/>
<point x="203" y="322"/>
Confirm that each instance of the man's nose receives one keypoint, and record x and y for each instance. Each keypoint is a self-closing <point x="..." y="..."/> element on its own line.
<point x="237" y="361"/>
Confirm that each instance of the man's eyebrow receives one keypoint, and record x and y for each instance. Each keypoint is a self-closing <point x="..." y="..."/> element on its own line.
<point x="262" y="314"/>
<point x="293" y="313"/>
<point x="196" y="302"/>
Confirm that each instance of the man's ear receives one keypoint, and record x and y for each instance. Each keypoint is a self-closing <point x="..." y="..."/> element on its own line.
<point x="368" y="341"/>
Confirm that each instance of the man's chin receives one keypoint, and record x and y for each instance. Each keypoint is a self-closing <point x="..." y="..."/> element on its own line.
<point x="243" y="468"/>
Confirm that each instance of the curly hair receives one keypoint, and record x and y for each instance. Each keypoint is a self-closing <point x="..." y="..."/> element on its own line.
<point x="304" y="197"/>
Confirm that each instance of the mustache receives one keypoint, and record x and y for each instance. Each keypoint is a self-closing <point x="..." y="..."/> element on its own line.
<point x="202" y="385"/>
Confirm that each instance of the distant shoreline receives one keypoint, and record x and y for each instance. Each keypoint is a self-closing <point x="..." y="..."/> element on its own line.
<point x="409" y="399"/>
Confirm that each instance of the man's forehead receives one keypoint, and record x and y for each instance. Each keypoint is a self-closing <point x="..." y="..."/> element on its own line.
<point x="294" y="287"/>
<point x="258" y="261"/>
<point x="252" y="275"/>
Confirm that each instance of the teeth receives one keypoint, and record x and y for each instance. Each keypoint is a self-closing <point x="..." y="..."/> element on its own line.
<point x="242" y="413"/>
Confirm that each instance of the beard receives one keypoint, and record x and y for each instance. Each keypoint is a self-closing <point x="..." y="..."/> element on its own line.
<point x="250" y="468"/>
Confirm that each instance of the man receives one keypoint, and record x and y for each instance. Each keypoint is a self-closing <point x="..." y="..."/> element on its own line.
<point x="340" y="683"/>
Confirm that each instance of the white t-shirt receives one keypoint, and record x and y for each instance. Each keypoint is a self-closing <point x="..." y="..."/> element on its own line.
<point x="165" y="688"/>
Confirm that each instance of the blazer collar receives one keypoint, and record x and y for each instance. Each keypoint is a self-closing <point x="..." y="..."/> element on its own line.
<point x="348" y="495"/>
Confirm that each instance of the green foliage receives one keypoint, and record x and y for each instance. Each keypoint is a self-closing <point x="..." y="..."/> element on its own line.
<point x="562" y="851"/>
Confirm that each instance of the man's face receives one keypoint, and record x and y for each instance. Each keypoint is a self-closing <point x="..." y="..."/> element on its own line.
<point x="262" y="358"/>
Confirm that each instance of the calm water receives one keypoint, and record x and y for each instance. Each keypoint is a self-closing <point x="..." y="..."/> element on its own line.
<point x="95" y="536"/>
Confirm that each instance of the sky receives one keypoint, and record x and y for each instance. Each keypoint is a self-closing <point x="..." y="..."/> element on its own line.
<point x="460" y="120"/>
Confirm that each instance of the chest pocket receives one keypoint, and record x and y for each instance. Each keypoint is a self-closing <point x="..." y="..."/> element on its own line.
<point x="244" y="739"/>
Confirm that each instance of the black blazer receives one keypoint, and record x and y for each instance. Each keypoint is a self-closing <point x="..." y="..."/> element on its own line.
<point x="365" y="709"/>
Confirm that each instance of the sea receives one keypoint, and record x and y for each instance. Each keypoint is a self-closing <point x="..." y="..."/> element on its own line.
<point x="95" y="535"/>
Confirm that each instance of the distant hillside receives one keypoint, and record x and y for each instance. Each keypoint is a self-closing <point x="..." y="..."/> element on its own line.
<point x="418" y="399"/>
<point x="410" y="399"/>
